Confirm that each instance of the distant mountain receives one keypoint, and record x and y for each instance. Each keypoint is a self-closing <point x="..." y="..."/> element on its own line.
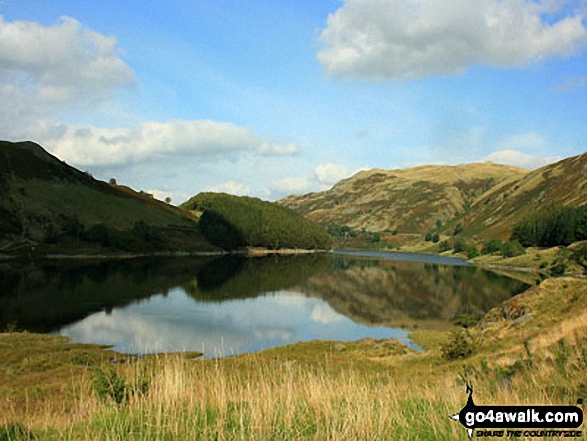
<point x="46" y="203"/>
<point x="234" y="222"/>
<point x="408" y="201"/>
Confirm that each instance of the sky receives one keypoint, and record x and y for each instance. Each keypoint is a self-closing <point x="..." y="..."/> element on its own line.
<point x="269" y="98"/>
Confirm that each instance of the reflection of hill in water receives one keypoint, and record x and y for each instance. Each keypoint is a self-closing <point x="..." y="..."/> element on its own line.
<point x="43" y="296"/>
<point x="367" y="290"/>
<point x="384" y="292"/>
<point x="234" y="277"/>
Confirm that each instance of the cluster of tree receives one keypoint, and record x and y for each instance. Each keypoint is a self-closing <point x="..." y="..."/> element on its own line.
<point x="232" y="222"/>
<point x="551" y="227"/>
<point x="140" y="236"/>
<point x="364" y="237"/>
<point x="508" y="249"/>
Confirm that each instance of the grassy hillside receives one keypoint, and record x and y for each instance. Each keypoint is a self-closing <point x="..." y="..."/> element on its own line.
<point x="562" y="184"/>
<point x="476" y="201"/>
<point x="234" y="222"/>
<point x="46" y="203"/>
<point x="410" y="201"/>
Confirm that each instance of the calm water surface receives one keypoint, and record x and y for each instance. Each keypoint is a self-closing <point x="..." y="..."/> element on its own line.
<point x="230" y="305"/>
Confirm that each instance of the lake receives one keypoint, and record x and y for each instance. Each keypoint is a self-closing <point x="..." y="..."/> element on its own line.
<point x="234" y="304"/>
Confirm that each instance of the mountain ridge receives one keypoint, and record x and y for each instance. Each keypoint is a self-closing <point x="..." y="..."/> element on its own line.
<point x="410" y="201"/>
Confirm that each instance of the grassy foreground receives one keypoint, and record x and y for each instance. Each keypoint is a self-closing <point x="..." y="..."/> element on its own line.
<point x="532" y="349"/>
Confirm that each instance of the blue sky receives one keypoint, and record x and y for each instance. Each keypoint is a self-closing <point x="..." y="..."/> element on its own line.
<point x="270" y="98"/>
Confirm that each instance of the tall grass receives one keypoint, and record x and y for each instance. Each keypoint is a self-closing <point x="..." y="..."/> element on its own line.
<point x="217" y="401"/>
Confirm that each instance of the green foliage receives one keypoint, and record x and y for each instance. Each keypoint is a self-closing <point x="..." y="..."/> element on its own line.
<point x="457" y="229"/>
<point x="233" y="222"/>
<point x="51" y="235"/>
<point x="140" y="236"/>
<point x="552" y="227"/>
<point x="472" y="251"/>
<point x="459" y="246"/>
<point x="108" y="384"/>
<point x="459" y="345"/>
<point x="465" y="320"/>
<point x="15" y="432"/>
<point x="493" y="246"/>
<point x="512" y="248"/>
<point x="435" y="238"/>
<point x="444" y="246"/>
<point x="558" y="268"/>
<point x="428" y="236"/>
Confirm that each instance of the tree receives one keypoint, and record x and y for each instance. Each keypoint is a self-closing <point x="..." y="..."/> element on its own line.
<point x="168" y="200"/>
<point x="458" y="229"/>
<point x="512" y="248"/>
<point x="459" y="246"/>
<point x="112" y="181"/>
<point x="493" y="246"/>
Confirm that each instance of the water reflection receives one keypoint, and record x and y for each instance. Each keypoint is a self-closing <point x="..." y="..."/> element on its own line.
<point x="234" y="304"/>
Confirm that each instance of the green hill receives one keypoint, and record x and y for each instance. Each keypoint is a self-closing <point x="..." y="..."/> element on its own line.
<point x="563" y="184"/>
<point x="49" y="206"/>
<point x="478" y="201"/>
<point x="409" y="201"/>
<point x="233" y="222"/>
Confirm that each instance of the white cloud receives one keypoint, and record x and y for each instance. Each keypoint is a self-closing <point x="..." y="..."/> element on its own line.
<point x="520" y="159"/>
<point x="230" y="187"/>
<point x="48" y="68"/>
<point x="398" y="39"/>
<point x="291" y="185"/>
<point x="279" y="150"/>
<point x="330" y="173"/>
<point x="202" y="140"/>
<point x="323" y="313"/>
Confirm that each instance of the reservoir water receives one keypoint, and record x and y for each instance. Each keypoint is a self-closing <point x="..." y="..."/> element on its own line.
<point x="230" y="305"/>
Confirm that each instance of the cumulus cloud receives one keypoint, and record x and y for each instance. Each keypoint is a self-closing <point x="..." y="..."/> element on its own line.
<point x="231" y="187"/>
<point x="399" y="39"/>
<point x="520" y="159"/>
<point x="203" y="140"/>
<point x="268" y="149"/>
<point x="291" y="185"/>
<point x="330" y="173"/>
<point x="44" y="67"/>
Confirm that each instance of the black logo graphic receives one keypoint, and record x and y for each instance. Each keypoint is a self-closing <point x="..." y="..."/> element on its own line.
<point x="519" y="417"/>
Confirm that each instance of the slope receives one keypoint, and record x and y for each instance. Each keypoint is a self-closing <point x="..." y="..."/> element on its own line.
<point x="561" y="184"/>
<point x="411" y="200"/>
<point x="239" y="221"/>
<point x="44" y="200"/>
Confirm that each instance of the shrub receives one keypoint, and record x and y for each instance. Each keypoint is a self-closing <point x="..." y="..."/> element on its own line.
<point x="472" y="251"/>
<point x="493" y="246"/>
<point x="444" y="246"/>
<point x="512" y="248"/>
<point x="435" y="238"/>
<point x="109" y="385"/>
<point x="459" y="246"/>
<point x="458" y="229"/>
<point x="459" y="345"/>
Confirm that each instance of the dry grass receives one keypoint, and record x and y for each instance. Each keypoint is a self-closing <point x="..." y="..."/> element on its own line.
<point x="315" y="391"/>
